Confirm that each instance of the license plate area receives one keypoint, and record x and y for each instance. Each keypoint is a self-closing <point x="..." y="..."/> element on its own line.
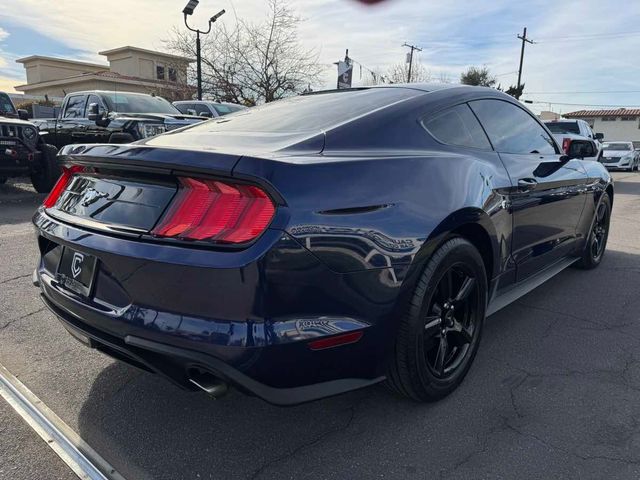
<point x="76" y="271"/>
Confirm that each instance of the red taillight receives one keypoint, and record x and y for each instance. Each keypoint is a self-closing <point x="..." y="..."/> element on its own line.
<point x="61" y="184"/>
<point x="216" y="211"/>
<point x="566" y="144"/>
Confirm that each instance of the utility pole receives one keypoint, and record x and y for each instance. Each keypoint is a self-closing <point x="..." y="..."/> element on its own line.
<point x="525" y="40"/>
<point x="412" y="47"/>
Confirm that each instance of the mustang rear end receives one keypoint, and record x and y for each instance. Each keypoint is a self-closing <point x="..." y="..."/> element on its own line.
<point x="190" y="273"/>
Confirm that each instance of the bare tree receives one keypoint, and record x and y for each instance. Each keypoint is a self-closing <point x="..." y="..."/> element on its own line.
<point x="444" y="77"/>
<point x="399" y="73"/>
<point x="253" y="63"/>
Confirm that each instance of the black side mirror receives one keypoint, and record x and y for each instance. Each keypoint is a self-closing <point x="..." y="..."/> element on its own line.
<point x="599" y="136"/>
<point x="206" y="114"/>
<point x="578" y="149"/>
<point x="93" y="112"/>
<point x="23" y="114"/>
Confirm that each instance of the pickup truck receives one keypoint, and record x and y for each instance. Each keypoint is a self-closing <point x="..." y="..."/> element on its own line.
<point x="23" y="151"/>
<point x="576" y="138"/>
<point x="112" y="117"/>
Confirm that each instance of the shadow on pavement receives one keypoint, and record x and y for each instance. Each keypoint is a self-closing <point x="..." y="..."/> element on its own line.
<point x="554" y="388"/>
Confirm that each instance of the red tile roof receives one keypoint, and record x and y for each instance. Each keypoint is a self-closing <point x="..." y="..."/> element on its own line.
<point x="619" y="112"/>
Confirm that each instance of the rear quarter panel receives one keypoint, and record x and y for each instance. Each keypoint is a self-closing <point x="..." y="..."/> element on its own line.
<point x="373" y="212"/>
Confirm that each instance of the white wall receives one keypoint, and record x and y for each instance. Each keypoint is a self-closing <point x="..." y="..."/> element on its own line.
<point x="618" y="130"/>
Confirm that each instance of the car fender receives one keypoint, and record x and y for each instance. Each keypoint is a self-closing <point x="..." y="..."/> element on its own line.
<point x="458" y="223"/>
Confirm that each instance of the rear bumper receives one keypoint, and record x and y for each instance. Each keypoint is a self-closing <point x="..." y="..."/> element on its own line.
<point x="172" y="362"/>
<point x="246" y="316"/>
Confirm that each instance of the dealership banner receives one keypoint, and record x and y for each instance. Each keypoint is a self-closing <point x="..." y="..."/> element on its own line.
<point x="345" y="74"/>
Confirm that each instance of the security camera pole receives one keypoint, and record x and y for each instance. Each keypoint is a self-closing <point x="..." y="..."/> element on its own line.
<point x="188" y="10"/>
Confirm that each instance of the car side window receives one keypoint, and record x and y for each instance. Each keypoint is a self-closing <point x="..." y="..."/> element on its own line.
<point x="511" y="129"/>
<point x="183" y="107"/>
<point x="75" y="107"/>
<point x="456" y="126"/>
<point x="94" y="99"/>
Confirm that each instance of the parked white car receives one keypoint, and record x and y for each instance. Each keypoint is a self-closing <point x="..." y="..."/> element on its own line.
<point x="620" y="155"/>
<point x="206" y="108"/>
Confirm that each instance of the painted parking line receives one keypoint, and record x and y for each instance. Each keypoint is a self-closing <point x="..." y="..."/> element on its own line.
<point x="85" y="462"/>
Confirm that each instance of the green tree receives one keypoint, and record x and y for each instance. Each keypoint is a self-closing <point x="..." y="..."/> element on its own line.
<point x="480" y="76"/>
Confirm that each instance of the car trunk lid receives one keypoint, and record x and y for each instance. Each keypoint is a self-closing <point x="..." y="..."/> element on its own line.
<point x="127" y="188"/>
<point x="114" y="201"/>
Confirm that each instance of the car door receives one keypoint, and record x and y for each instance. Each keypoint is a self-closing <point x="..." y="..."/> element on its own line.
<point x="548" y="190"/>
<point x="71" y="124"/>
<point x="93" y="132"/>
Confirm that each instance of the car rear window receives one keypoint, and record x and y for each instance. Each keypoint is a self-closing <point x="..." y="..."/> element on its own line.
<point x="563" y="127"/>
<point x="457" y="126"/>
<point x="307" y="112"/>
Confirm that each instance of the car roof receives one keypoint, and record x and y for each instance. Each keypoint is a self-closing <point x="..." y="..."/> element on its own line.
<point x="209" y="102"/>
<point x="112" y="92"/>
<point x="564" y="120"/>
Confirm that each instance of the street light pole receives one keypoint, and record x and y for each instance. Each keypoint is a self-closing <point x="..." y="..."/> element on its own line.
<point x="198" y="63"/>
<point x="188" y="10"/>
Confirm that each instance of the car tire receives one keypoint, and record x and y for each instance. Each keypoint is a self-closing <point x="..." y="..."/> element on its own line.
<point x="49" y="171"/>
<point x="597" y="241"/>
<point x="420" y="367"/>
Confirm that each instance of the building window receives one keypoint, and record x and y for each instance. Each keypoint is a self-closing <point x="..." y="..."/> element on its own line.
<point x="609" y="119"/>
<point x="160" y="72"/>
<point x="173" y="76"/>
<point x="628" y="119"/>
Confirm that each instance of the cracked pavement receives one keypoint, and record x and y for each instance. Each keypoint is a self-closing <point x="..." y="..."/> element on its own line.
<point x="554" y="391"/>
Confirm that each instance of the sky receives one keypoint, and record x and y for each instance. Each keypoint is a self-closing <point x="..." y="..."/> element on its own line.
<point x="586" y="55"/>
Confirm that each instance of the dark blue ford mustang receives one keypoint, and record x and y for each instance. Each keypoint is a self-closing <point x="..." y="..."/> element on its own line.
<point x="317" y="244"/>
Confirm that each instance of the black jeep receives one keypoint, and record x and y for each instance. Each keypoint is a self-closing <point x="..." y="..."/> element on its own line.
<point x="22" y="149"/>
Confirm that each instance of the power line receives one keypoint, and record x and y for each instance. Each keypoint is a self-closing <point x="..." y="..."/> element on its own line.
<point x="507" y="73"/>
<point x="588" y="36"/>
<point x="576" y="104"/>
<point x="584" y="92"/>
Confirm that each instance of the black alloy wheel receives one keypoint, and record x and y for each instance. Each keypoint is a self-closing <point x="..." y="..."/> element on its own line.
<point x="450" y="324"/>
<point x="439" y="336"/>
<point x="596" y="243"/>
<point x="599" y="231"/>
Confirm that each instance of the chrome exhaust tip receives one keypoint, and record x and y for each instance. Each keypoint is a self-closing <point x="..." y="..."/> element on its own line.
<point x="207" y="382"/>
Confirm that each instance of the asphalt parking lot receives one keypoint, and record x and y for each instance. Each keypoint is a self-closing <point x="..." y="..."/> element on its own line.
<point x="554" y="391"/>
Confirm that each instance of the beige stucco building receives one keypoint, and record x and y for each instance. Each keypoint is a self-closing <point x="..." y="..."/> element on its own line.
<point x="621" y="124"/>
<point x="128" y="68"/>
